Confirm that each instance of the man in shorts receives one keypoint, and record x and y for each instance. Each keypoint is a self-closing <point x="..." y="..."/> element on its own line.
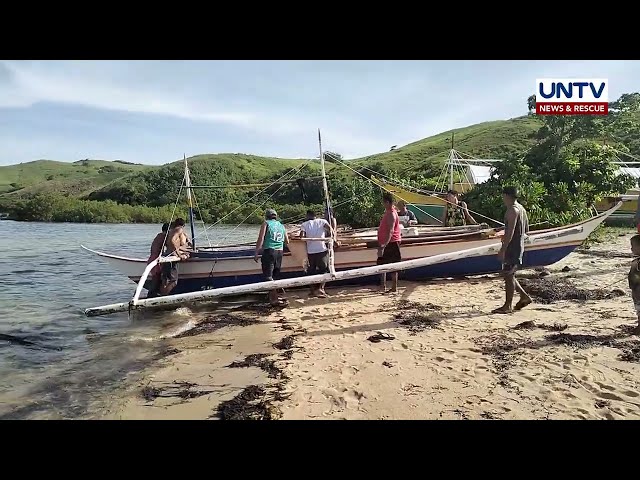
<point x="389" y="239"/>
<point x="271" y="240"/>
<point x="516" y="227"/>
<point x="155" y="251"/>
<point x="634" y="278"/>
<point x="176" y="244"/>
<point x="317" y="252"/>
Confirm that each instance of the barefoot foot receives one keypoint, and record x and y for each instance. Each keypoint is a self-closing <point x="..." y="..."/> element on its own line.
<point x="523" y="302"/>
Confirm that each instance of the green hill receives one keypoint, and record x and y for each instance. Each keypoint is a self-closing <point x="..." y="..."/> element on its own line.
<point x="75" y="179"/>
<point x="499" y="139"/>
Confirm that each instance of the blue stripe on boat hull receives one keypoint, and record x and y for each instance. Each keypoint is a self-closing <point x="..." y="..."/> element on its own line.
<point x="456" y="268"/>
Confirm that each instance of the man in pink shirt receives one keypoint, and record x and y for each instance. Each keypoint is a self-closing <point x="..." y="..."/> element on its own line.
<point x="389" y="238"/>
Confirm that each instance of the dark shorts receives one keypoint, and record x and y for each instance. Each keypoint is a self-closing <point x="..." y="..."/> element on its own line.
<point x="154" y="285"/>
<point x="170" y="272"/>
<point x="391" y="254"/>
<point x="318" y="263"/>
<point x="271" y="263"/>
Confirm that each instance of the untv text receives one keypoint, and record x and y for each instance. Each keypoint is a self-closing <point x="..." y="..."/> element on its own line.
<point x="572" y="96"/>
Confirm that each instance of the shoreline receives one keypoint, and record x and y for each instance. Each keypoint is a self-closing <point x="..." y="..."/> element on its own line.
<point x="569" y="355"/>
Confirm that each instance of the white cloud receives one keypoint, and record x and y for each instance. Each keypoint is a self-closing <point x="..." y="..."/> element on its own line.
<point x="362" y="107"/>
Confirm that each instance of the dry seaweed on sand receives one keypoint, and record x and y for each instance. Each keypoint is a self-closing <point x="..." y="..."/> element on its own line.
<point x="579" y="340"/>
<point x="213" y="323"/>
<point x="252" y="403"/>
<point x="503" y="352"/>
<point x="630" y="352"/>
<point x="416" y="316"/>
<point x="260" y="361"/>
<point x="530" y="324"/>
<point x="417" y="321"/>
<point x="166" y="352"/>
<point x="286" y="343"/>
<point x="546" y="290"/>
<point x="183" y="390"/>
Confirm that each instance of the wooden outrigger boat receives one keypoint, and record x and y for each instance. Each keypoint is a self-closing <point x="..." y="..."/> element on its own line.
<point x="212" y="272"/>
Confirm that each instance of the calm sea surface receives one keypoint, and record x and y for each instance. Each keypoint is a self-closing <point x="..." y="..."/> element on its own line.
<point x="54" y="361"/>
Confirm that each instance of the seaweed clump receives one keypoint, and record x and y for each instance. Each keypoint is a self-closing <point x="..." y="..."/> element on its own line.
<point x="546" y="290"/>
<point x="213" y="323"/>
<point x="417" y="317"/>
<point x="252" y="403"/>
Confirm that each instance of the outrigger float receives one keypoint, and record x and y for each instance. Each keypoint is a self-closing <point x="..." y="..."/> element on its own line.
<point x="216" y="271"/>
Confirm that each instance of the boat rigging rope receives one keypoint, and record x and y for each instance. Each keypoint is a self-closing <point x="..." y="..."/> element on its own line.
<point x="386" y="189"/>
<point x="175" y="206"/>
<point x="623" y="153"/>
<point x="260" y="192"/>
<point x="206" y="235"/>
<point x="259" y="207"/>
<point x="251" y="185"/>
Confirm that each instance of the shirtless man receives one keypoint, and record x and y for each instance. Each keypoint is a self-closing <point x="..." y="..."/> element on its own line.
<point x="176" y="243"/>
<point x="155" y="251"/>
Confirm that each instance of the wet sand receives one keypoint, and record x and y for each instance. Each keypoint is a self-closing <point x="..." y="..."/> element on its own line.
<point x="563" y="357"/>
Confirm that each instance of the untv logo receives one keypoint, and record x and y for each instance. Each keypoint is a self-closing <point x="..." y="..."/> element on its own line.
<point x="572" y="96"/>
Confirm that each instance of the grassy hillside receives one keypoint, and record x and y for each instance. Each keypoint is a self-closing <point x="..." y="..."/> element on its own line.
<point x="76" y="179"/>
<point x="499" y="139"/>
<point x="159" y="186"/>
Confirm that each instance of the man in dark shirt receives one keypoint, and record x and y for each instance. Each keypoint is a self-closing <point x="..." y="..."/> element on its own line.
<point x="407" y="217"/>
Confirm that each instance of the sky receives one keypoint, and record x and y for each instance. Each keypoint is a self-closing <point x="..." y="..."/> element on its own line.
<point x="153" y="112"/>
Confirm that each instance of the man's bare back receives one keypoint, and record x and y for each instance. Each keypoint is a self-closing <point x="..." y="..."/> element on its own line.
<point x="177" y="242"/>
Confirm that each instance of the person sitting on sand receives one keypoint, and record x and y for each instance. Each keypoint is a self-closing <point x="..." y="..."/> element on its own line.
<point x="634" y="278"/>
<point x="175" y="244"/>
<point x="389" y="238"/>
<point x="456" y="213"/>
<point x="271" y="240"/>
<point x="317" y="252"/>
<point x="407" y="217"/>
<point x="156" y="250"/>
<point x="516" y="226"/>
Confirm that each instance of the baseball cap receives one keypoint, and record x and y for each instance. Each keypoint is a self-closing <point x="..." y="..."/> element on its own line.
<point x="270" y="213"/>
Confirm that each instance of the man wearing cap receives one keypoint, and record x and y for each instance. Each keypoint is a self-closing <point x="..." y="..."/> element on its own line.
<point x="271" y="240"/>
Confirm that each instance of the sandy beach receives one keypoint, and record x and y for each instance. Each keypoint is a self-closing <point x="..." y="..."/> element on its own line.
<point x="569" y="355"/>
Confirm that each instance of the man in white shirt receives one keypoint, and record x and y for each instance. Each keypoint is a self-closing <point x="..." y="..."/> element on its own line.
<point x="317" y="252"/>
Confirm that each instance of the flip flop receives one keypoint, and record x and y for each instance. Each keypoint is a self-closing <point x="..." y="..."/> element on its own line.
<point x="521" y="304"/>
<point x="379" y="336"/>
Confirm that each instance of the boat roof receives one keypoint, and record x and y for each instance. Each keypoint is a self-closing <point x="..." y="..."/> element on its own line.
<point x="478" y="173"/>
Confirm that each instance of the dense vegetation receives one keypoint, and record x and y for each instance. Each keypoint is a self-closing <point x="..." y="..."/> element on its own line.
<point x="567" y="170"/>
<point x="558" y="162"/>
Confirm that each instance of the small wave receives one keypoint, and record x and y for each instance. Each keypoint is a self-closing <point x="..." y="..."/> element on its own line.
<point x="172" y="334"/>
<point x="182" y="312"/>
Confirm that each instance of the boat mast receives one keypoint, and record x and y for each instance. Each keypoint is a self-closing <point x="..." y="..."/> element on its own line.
<point x="327" y="201"/>
<point x="451" y="163"/>
<point x="187" y="178"/>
